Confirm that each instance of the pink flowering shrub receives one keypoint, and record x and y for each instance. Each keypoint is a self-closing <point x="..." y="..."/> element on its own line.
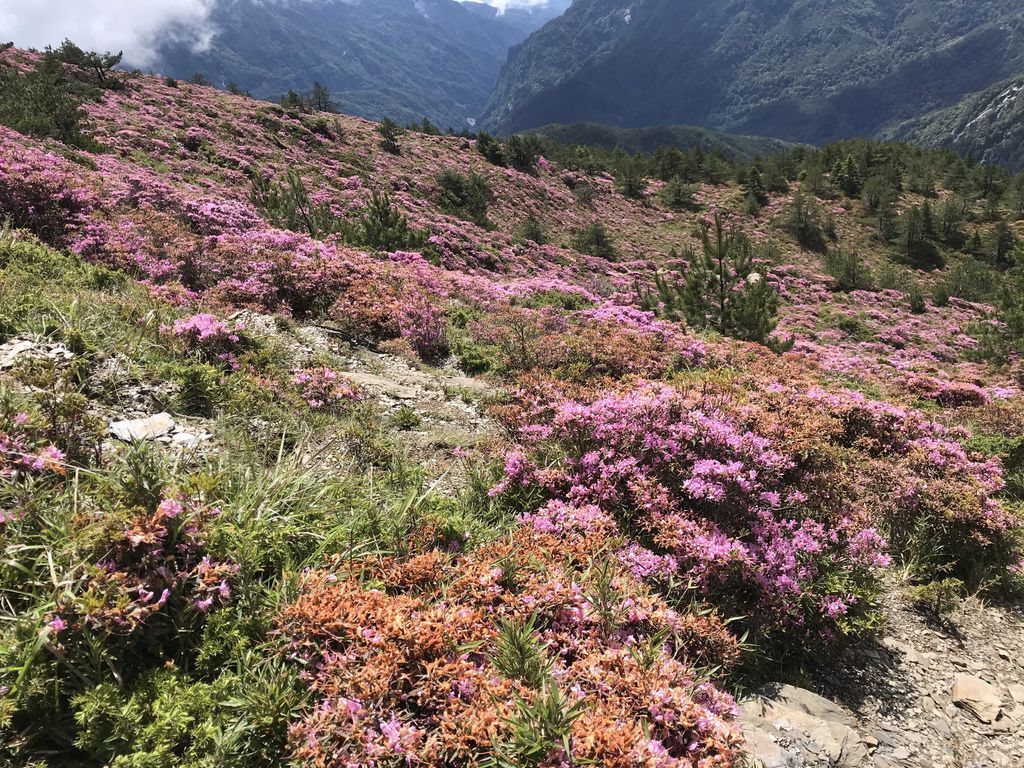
<point x="39" y="191"/>
<point x="211" y="339"/>
<point x="923" y="483"/>
<point x="21" y="453"/>
<point x="407" y="673"/>
<point x="25" y="456"/>
<point x="154" y="577"/>
<point x="706" y="500"/>
<point x="325" y="389"/>
<point x="423" y="325"/>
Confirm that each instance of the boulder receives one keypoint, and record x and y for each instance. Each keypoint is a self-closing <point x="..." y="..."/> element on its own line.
<point x="813" y="727"/>
<point x="977" y="697"/>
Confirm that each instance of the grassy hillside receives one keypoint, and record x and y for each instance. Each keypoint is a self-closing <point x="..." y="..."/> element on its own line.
<point x="326" y="445"/>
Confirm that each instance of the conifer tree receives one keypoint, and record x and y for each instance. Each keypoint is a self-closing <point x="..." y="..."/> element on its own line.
<point x="390" y="132"/>
<point x="384" y="228"/>
<point x="1002" y="246"/>
<point x="847" y="178"/>
<point x="321" y="99"/>
<point x="757" y="195"/>
<point x="722" y="288"/>
<point x="99" y="65"/>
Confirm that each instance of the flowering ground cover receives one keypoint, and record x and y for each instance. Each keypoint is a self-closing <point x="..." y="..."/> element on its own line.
<point x="669" y="512"/>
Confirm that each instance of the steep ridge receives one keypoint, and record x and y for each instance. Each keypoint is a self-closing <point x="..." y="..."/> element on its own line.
<point x="988" y="126"/>
<point x="400" y="58"/>
<point x="807" y="71"/>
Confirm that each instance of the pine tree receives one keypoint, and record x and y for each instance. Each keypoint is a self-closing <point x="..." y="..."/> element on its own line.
<point x="1015" y="196"/>
<point x="523" y="152"/>
<point x="532" y="231"/>
<point x="846" y="177"/>
<point x="390" y="132"/>
<point x="678" y="195"/>
<point x="722" y="289"/>
<point x="321" y="99"/>
<point x="927" y="221"/>
<point x="289" y="206"/>
<point x="1002" y="245"/>
<point x="44" y="103"/>
<point x="99" y="65"/>
<point x="384" y="228"/>
<point x="914" y="243"/>
<point x="804" y="222"/>
<point x="630" y="180"/>
<point x="756" y="194"/>
<point x="954" y="213"/>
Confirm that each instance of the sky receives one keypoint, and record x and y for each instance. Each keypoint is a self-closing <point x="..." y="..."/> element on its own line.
<point x="131" y="26"/>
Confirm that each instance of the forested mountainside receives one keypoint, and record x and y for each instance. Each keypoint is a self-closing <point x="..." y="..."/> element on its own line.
<point x="988" y="126"/>
<point x="648" y="140"/>
<point x="404" y="59"/>
<point x="326" y="443"/>
<point x="812" y="71"/>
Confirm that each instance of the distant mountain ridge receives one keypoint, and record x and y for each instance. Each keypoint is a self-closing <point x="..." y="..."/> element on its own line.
<point x="403" y="59"/>
<point x="801" y="70"/>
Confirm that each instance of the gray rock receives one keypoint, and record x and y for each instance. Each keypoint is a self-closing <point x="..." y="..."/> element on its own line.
<point x="977" y="697"/>
<point x="942" y="728"/>
<point x="189" y="440"/>
<point x="799" y="715"/>
<point x="906" y="650"/>
<point x="1004" y="724"/>
<point x="811" y="703"/>
<point x="387" y="386"/>
<point x="764" y="752"/>
<point x="12" y="350"/>
<point x="148" y="428"/>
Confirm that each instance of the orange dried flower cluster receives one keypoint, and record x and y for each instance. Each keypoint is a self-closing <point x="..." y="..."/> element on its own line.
<point x="403" y="658"/>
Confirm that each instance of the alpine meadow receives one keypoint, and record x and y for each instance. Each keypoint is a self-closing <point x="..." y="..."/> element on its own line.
<point x="437" y="384"/>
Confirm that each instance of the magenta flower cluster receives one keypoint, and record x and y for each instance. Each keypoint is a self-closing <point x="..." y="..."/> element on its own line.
<point x="324" y="389"/>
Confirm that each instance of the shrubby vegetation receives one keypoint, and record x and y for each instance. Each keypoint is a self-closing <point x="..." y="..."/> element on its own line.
<point x="46" y="101"/>
<point x="652" y="507"/>
<point x="465" y="196"/>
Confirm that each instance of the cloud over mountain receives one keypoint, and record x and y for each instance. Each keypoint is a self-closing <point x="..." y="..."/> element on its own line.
<point x="127" y="25"/>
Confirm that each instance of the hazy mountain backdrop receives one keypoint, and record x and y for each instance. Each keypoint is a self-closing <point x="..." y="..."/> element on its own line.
<point x="800" y="70"/>
<point x="400" y="58"/>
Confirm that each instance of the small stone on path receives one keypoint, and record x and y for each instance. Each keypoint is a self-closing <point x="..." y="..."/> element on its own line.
<point x="148" y="428"/>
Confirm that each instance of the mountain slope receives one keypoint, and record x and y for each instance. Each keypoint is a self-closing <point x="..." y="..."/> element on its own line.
<point x="398" y="58"/>
<point x="303" y="462"/>
<point x="988" y="126"/>
<point x="810" y="71"/>
<point x="648" y="140"/>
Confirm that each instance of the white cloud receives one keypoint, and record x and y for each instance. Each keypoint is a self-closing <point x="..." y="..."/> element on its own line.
<point x="132" y="26"/>
<point x="504" y="4"/>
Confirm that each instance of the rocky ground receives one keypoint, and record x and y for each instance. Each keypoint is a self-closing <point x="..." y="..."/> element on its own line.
<point x="436" y="411"/>
<point x="924" y="693"/>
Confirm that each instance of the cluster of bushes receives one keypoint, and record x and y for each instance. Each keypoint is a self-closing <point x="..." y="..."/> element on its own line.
<point x="467" y="196"/>
<point x="46" y="101"/>
<point x="288" y="205"/>
<point x="521" y="152"/>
